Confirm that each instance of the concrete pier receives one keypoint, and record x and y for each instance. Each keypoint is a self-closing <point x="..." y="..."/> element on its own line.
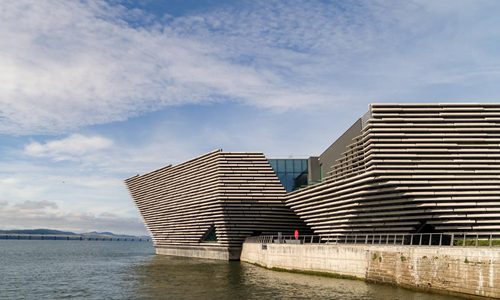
<point x="472" y="273"/>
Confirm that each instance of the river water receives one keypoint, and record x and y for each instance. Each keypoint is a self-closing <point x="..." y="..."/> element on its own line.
<point x="131" y="270"/>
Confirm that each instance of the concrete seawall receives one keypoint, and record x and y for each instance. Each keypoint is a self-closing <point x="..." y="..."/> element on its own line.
<point x="472" y="273"/>
<point x="219" y="253"/>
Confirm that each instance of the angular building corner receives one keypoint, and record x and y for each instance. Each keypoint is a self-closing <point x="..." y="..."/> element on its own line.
<point x="206" y="207"/>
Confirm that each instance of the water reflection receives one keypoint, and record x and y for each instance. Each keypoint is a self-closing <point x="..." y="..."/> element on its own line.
<point x="165" y="277"/>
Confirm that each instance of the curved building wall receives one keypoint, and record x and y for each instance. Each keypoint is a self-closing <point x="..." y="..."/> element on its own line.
<point x="236" y="193"/>
<point x="413" y="168"/>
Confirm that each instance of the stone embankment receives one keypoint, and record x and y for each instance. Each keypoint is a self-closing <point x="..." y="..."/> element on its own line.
<point x="468" y="272"/>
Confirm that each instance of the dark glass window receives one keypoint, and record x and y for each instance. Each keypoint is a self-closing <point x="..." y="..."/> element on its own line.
<point x="292" y="173"/>
<point x="273" y="164"/>
<point x="289" y="181"/>
<point x="282" y="178"/>
<point x="300" y="180"/>
<point x="210" y="235"/>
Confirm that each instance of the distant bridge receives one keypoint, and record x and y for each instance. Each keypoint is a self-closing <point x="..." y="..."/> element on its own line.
<point x="59" y="237"/>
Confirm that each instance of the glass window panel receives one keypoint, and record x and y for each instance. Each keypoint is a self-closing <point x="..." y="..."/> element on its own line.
<point x="295" y="181"/>
<point x="304" y="165"/>
<point x="289" y="165"/>
<point x="281" y="165"/>
<point x="281" y="177"/>
<point x="289" y="182"/>
<point x="297" y="165"/>
<point x="273" y="164"/>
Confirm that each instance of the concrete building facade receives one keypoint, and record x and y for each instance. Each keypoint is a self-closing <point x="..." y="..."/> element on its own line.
<point x="207" y="206"/>
<point x="410" y="168"/>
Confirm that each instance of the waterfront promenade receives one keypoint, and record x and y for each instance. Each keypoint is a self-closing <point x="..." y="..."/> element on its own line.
<point x="468" y="267"/>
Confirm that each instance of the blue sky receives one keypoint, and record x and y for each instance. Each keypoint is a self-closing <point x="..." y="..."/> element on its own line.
<point x="93" y="92"/>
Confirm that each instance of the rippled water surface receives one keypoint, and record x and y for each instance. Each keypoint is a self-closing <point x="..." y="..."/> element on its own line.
<point x="130" y="270"/>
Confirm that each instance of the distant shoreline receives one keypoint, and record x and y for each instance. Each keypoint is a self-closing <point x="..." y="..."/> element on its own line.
<point x="65" y="235"/>
<point x="49" y="237"/>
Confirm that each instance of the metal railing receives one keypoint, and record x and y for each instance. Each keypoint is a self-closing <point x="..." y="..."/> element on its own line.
<point x="418" y="239"/>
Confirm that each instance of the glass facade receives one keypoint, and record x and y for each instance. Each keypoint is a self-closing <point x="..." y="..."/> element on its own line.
<point x="291" y="172"/>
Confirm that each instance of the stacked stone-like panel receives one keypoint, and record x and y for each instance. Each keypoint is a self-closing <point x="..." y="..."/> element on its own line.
<point x="411" y="165"/>
<point x="236" y="192"/>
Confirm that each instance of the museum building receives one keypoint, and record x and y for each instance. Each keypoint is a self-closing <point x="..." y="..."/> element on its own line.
<point x="400" y="168"/>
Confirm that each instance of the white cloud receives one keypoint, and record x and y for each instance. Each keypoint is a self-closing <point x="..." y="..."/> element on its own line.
<point x="97" y="154"/>
<point x="9" y="181"/>
<point x="33" y="205"/>
<point x="73" y="147"/>
<point x="20" y="187"/>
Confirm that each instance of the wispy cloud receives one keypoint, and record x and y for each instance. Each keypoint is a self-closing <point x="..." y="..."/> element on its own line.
<point x="67" y="64"/>
<point x="34" y="205"/>
<point x="74" y="147"/>
<point x="102" y="155"/>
